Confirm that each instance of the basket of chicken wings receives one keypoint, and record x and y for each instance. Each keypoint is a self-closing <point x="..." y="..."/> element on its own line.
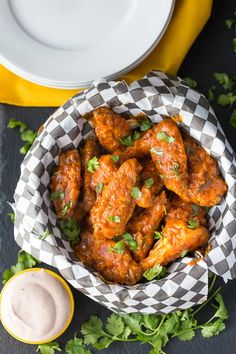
<point x="130" y="192"/>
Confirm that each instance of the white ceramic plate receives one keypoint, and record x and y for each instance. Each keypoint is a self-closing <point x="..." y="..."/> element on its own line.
<point x="70" y="43"/>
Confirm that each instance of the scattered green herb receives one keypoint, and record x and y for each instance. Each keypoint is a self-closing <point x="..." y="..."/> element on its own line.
<point x="129" y="239"/>
<point x="136" y="135"/>
<point x="45" y="234"/>
<point x="99" y="187"/>
<point x="156" y="272"/>
<point x="12" y="217"/>
<point x="156" y="151"/>
<point x="184" y="253"/>
<point x="71" y="229"/>
<point x="195" y="209"/>
<point x="115" y="158"/>
<point x="135" y="193"/>
<point x="76" y="346"/>
<point x="57" y="195"/>
<point x="226" y="99"/>
<point x="118" y="248"/>
<point x="48" y="348"/>
<point x="211" y="93"/>
<point x="230" y="23"/>
<point x="190" y="82"/>
<point x="193" y="224"/>
<point x="158" y="235"/>
<point x="114" y="218"/>
<point x="66" y="208"/>
<point x="93" y="164"/>
<point x="165" y="137"/>
<point x="232" y="119"/>
<point x="175" y="169"/>
<point x="224" y="80"/>
<point x="13" y="123"/>
<point x="24" y="261"/>
<point x="149" y="182"/>
<point x="127" y="140"/>
<point x="26" y="135"/>
<point x="145" y="125"/>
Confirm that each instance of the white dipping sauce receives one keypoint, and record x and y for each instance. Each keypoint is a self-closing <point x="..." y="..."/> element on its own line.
<point x="35" y="306"/>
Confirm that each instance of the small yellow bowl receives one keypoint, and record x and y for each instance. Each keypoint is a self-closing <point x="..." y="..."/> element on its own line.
<point x="71" y="299"/>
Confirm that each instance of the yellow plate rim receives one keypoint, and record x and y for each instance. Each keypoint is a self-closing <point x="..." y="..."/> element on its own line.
<point x="69" y="292"/>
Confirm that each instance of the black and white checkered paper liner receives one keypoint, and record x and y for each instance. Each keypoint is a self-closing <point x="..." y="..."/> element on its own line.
<point x="155" y="95"/>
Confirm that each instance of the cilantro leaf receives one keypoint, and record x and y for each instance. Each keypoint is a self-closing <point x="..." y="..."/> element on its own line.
<point x="175" y="169"/>
<point x="57" y="195"/>
<point x="192" y="224"/>
<point x="226" y="99"/>
<point x="48" y="348"/>
<point x="127" y="140"/>
<point x="118" y="248"/>
<point x="115" y="158"/>
<point x="165" y="137"/>
<point x="12" y="217"/>
<point x="149" y="182"/>
<point x="115" y="325"/>
<point x="156" y="151"/>
<point x="7" y="274"/>
<point x="136" y="135"/>
<point x="99" y="187"/>
<point x="195" y="209"/>
<point x="135" y="193"/>
<point x="13" y="123"/>
<point x="114" y="218"/>
<point x="25" y="148"/>
<point x="157" y="235"/>
<point x="93" y="164"/>
<point x="129" y="239"/>
<point x="76" y="346"/>
<point x="67" y="207"/>
<point x="211" y="93"/>
<point x="221" y="312"/>
<point x="230" y="23"/>
<point x="45" y="234"/>
<point x="232" y="119"/>
<point x="212" y="329"/>
<point x="145" y="125"/>
<point x="71" y="229"/>
<point x="190" y="82"/>
<point x="92" y="330"/>
<point x="224" y="80"/>
<point x="157" y="271"/>
<point x="26" y="134"/>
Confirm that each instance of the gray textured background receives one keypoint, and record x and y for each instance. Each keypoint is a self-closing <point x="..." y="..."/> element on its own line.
<point x="212" y="52"/>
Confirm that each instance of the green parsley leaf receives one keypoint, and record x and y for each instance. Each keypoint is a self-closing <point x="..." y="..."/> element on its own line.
<point x="118" y="248"/>
<point x="99" y="187"/>
<point x="212" y="329"/>
<point x="195" y="209"/>
<point x="115" y="158"/>
<point x="25" y="148"/>
<point x="24" y="261"/>
<point x="224" y="80"/>
<point x="76" y="346"/>
<point x="211" y="93"/>
<point x="190" y="82"/>
<point x="13" y="123"/>
<point x="12" y="217"/>
<point x="129" y="239"/>
<point x="127" y="140"/>
<point x="175" y="169"/>
<point x="71" y="229"/>
<point x="114" y="218"/>
<point x="149" y="182"/>
<point x="48" y="348"/>
<point x="135" y="193"/>
<point x="66" y="208"/>
<point x="193" y="224"/>
<point x="157" y="271"/>
<point x="93" y="164"/>
<point x="165" y="137"/>
<point x="92" y="330"/>
<point x="158" y="235"/>
<point x="29" y="136"/>
<point x="115" y="325"/>
<point x="156" y="151"/>
<point x="145" y="125"/>
<point x="221" y="312"/>
<point x="136" y="135"/>
<point x="57" y="195"/>
<point x="45" y="234"/>
<point x="184" y="253"/>
<point x="232" y="119"/>
<point x="226" y="99"/>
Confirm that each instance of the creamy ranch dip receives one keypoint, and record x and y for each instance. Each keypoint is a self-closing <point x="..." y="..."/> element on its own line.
<point x="35" y="306"/>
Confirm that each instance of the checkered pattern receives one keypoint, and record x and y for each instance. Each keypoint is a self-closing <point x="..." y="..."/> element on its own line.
<point x="154" y="95"/>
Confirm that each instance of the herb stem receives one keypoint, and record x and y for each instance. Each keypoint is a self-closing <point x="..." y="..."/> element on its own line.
<point x="212" y="283"/>
<point x="206" y="302"/>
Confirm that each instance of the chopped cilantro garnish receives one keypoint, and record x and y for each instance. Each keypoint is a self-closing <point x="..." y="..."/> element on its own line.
<point x="127" y="140"/>
<point x="224" y="80"/>
<point x="149" y="182"/>
<point x="57" y="195"/>
<point x="129" y="239"/>
<point x="66" y="208"/>
<point x="99" y="187"/>
<point x="114" y="218"/>
<point x="115" y="158"/>
<point x="165" y="137"/>
<point x="195" y="209"/>
<point x="193" y="224"/>
<point x="118" y="248"/>
<point x="157" y="272"/>
<point x="156" y="151"/>
<point x="135" y="193"/>
<point x="71" y="229"/>
<point x="45" y="234"/>
<point x="145" y="125"/>
<point x="93" y="164"/>
<point x="175" y="169"/>
<point x="226" y="99"/>
<point x="157" y="235"/>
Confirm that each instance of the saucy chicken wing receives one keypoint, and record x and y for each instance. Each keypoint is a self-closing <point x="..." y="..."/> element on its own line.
<point x="143" y="226"/>
<point x="168" y="153"/>
<point x="65" y="183"/>
<point x="89" y="150"/>
<point x="205" y="186"/>
<point x="103" y="174"/>
<point x="115" y="207"/>
<point x="109" y="127"/>
<point x="116" y="267"/>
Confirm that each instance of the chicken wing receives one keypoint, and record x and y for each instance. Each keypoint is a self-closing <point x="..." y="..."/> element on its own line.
<point x="114" y="208"/>
<point x="168" y="153"/>
<point x="103" y="174"/>
<point x="109" y="127"/>
<point x="143" y="226"/>
<point x="152" y="184"/>
<point x="116" y="267"/>
<point x="205" y="186"/>
<point x="65" y="183"/>
<point x="89" y="150"/>
<point x="176" y="238"/>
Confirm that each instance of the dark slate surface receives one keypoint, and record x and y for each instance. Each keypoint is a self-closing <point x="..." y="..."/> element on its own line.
<point x="212" y="52"/>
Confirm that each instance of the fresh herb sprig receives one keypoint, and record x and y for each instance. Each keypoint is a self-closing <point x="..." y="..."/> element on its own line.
<point x="27" y="135"/>
<point x="48" y="348"/>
